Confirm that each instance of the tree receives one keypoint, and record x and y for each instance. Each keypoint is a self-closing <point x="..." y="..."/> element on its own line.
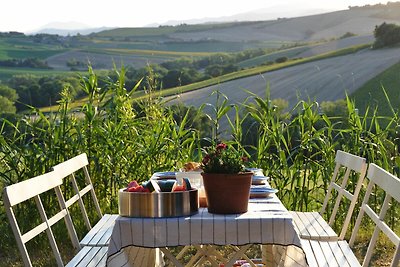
<point x="8" y="92"/>
<point x="6" y="105"/>
<point x="8" y="96"/>
<point x="386" y="35"/>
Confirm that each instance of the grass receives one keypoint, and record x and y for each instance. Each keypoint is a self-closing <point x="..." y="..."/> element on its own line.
<point x="373" y="94"/>
<point x="24" y="48"/>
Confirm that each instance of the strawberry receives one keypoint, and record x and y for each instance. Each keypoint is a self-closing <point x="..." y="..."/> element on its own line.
<point x="133" y="184"/>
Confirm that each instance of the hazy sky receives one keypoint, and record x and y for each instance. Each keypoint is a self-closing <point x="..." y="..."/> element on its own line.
<point x="29" y="15"/>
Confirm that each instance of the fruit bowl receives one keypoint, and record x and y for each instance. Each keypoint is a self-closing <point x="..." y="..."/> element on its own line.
<point x="157" y="204"/>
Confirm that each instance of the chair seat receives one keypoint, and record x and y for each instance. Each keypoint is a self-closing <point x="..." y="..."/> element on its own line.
<point x="99" y="235"/>
<point x="90" y="257"/>
<point x="329" y="253"/>
<point x="311" y="225"/>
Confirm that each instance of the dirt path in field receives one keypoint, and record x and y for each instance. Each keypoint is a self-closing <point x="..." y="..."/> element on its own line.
<point x="322" y="80"/>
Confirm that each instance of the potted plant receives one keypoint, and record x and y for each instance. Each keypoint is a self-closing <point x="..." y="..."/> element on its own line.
<point x="226" y="184"/>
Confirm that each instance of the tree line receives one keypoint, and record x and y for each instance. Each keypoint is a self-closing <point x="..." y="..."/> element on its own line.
<point x="38" y="91"/>
<point x="25" y="63"/>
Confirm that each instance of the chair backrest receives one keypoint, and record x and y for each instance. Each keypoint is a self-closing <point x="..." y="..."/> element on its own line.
<point x="33" y="188"/>
<point x="389" y="183"/>
<point x="346" y="163"/>
<point x="68" y="169"/>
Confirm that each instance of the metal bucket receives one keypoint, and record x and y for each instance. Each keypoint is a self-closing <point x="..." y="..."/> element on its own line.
<point x="157" y="205"/>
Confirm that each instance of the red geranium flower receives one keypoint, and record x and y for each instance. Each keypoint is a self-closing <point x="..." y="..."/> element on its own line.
<point x="221" y="146"/>
<point x="206" y="159"/>
<point x="223" y="159"/>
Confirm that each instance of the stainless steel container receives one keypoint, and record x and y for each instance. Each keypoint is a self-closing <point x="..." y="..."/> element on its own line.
<point x="156" y="205"/>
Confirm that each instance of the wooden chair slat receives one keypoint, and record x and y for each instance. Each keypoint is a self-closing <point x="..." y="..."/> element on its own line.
<point x="357" y="163"/>
<point x="49" y="232"/>
<point x="348" y="253"/>
<point x="72" y="165"/>
<point x="330" y="257"/>
<point x="100" y="234"/>
<point x="338" y="253"/>
<point x="22" y="191"/>
<point x="385" y="180"/>
<point x="91" y="256"/>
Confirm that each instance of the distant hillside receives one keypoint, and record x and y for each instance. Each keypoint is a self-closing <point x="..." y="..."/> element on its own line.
<point x="357" y="20"/>
<point x="67" y="28"/>
<point x="66" y="32"/>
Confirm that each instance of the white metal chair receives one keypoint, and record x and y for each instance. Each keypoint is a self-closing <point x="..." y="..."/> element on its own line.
<point x="32" y="189"/>
<point x="339" y="253"/>
<point x="311" y="225"/>
<point x="100" y="234"/>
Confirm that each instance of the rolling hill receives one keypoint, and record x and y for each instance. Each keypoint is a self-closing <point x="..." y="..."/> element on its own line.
<point x="358" y="20"/>
<point x="324" y="80"/>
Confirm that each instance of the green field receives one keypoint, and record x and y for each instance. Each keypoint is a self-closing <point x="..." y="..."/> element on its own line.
<point x="21" y="48"/>
<point x="7" y="73"/>
<point x="260" y="69"/>
<point x="162" y="31"/>
<point x="289" y="53"/>
<point x="373" y="92"/>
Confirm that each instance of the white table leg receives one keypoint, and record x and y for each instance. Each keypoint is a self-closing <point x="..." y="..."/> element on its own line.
<point x="267" y="255"/>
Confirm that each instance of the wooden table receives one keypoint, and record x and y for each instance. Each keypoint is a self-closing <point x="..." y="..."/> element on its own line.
<point x="137" y="241"/>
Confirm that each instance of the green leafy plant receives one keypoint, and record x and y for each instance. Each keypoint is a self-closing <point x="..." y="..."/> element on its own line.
<point x="223" y="159"/>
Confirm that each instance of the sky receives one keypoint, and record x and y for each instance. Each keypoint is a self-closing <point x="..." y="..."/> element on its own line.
<point x="28" y="15"/>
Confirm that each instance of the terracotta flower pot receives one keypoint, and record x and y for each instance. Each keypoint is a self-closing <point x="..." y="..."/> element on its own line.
<point x="227" y="193"/>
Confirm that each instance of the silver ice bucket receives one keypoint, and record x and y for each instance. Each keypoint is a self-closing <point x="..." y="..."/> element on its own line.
<point x="157" y="205"/>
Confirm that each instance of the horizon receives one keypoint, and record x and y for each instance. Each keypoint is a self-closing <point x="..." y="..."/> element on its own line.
<point x="35" y="15"/>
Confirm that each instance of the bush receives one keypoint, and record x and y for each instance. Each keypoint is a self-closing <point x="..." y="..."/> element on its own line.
<point x="386" y="35"/>
<point x="281" y="59"/>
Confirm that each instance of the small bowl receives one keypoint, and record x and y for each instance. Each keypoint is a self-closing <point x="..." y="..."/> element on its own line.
<point x="256" y="171"/>
<point x="259" y="179"/>
<point x="163" y="175"/>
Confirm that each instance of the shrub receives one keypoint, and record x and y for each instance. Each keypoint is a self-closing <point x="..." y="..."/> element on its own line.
<point x="386" y="35"/>
<point x="281" y="59"/>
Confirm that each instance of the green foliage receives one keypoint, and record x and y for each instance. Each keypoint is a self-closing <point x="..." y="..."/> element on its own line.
<point x="8" y="96"/>
<point x="336" y="108"/>
<point x="40" y="91"/>
<point x="25" y="63"/>
<point x="281" y="59"/>
<point x="347" y="35"/>
<point x="6" y="105"/>
<point x="8" y="93"/>
<point x="386" y="34"/>
<point x="222" y="158"/>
